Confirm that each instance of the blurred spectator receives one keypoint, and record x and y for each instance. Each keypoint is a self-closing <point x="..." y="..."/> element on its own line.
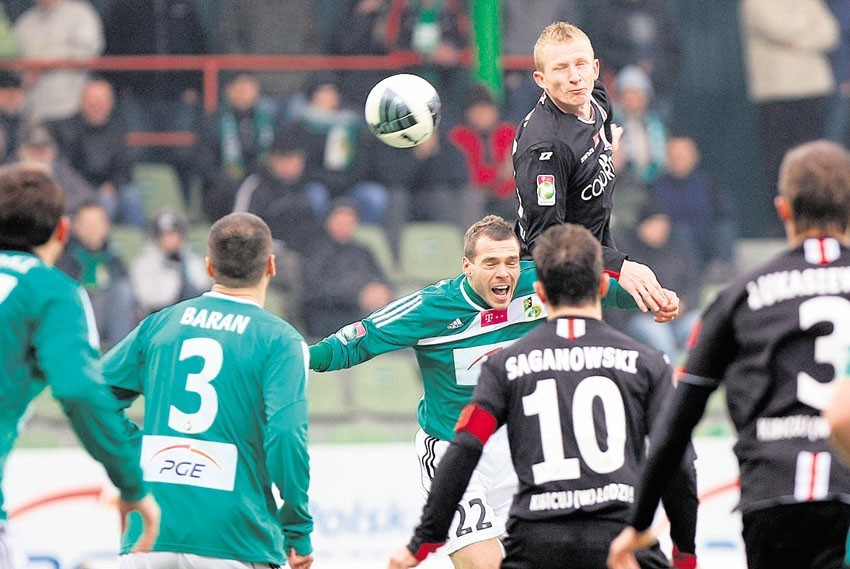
<point x="283" y="197"/>
<point x="642" y="152"/>
<point x="838" y="121"/>
<point x="342" y="281"/>
<point x="486" y="143"/>
<point x="93" y="143"/>
<point x="521" y="26"/>
<point x="158" y="100"/>
<point x="57" y="29"/>
<point x="789" y="79"/>
<point x="439" y="30"/>
<point x="703" y="215"/>
<point x="12" y="99"/>
<point x="654" y="244"/>
<point x="428" y="182"/>
<point x="233" y="143"/>
<point x="270" y="27"/>
<point x="637" y="32"/>
<point x="330" y="135"/>
<point x="38" y="145"/>
<point x="167" y="271"/>
<point x="91" y="260"/>
<point x="361" y="27"/>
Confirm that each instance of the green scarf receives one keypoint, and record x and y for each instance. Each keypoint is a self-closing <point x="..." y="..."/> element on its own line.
<point x="232" y="158"/>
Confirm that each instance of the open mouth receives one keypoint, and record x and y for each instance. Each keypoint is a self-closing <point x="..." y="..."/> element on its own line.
<point x="501" y="292"/>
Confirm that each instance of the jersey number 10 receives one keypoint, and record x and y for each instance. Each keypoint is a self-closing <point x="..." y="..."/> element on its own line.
<point x="544" y="403"/>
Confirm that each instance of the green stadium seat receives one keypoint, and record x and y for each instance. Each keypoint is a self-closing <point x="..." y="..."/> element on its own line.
<point x="387" y="386"/>
<point x="328" y="396"/>
<point x="160" y="188"/>
<point x="196" y="238"/>
<point x="128" y="240"/>
<point x="374" y="238"/>
<point x="429" y="251"/>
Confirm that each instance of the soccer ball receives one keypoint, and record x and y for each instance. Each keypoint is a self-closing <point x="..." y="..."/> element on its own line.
<point x="403" y="110"/>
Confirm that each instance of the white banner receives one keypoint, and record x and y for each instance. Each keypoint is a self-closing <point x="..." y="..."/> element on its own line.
<point x="364" y="498"/>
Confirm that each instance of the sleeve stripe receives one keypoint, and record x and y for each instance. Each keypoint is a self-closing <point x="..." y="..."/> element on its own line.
<point x="699" y="380"/>
<point x="395" y="304"/>
<point x="398" y="314"/>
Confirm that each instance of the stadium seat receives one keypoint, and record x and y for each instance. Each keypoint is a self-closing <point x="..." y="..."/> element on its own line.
<point x="374" y="238"/>
<point x="429" y="251"/>
<point x="128" y="240"/>
<point x="160" y="188"/>
<point x="387" y="386"/>
<point x="328" y="396"/>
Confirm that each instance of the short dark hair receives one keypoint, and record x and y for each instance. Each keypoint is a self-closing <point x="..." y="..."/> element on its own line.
<point x="492" y="226"/>
<point x="569" y="264"/>
<point x="815" y="178"/>
<point x="31" y="204"/>
<point x="239" y="246"/>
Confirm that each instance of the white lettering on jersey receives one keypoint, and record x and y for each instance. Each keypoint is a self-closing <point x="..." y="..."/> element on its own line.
<point x="600" y="182"/>
<point x="587" y="154"/>
<point x="193" y="462"/>
<point x="575" y="499"/>
<point x="771" y="288"/>
<point x="576" y="358"/>
<point x="213" y="320"/>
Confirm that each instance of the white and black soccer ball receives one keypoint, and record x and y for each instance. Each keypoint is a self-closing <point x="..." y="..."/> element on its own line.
<point x="403" y="110"/>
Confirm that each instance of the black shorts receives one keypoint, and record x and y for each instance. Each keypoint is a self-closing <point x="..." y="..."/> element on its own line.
<point x="580" y="543"/>
<point x="809" y="535"/>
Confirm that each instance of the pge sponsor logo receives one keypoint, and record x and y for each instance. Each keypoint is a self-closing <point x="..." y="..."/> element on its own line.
<point x="178" y="460"/>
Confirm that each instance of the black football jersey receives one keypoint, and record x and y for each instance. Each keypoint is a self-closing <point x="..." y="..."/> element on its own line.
<point x="579" y="398"/>
<point x="776" y="338"/>
<point x="564" y="173"/>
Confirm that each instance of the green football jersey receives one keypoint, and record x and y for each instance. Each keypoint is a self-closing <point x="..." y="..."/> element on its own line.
<point x="452" y="331"/>
<point x="48" y="335"/>
<point x="224" y="382"/>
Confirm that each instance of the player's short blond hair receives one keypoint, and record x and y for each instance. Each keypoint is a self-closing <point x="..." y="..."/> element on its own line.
<point x="557" y="32"/>
<point x="492" y="226"/>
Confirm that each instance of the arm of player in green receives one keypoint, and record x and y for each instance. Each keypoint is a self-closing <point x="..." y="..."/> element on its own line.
<point x="67" y="359"/>
<point x="618" y="297"/>
<point x="287" y="460"/>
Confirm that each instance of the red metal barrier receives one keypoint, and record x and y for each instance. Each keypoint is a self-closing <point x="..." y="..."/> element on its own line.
<point x="212" y="65"/>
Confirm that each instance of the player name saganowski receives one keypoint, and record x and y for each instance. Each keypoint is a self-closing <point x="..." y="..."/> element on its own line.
<point x="576" y="358"/>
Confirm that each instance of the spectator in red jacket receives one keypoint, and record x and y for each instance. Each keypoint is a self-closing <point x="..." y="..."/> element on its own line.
<point x="486" y="141"/>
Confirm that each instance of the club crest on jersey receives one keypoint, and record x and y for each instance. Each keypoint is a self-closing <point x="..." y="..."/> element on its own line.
<point x="545" y="189"/>
<point x="351" y="332"/>
<point x="531" y="311"/>
<point x="493" y="316"/>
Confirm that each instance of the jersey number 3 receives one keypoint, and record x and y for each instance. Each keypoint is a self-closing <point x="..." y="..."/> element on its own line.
<point x="202" y="419"/>
<point x="544" y="403"/>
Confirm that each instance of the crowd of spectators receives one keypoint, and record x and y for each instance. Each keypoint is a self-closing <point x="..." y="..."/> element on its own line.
<point x="289" y="145"/>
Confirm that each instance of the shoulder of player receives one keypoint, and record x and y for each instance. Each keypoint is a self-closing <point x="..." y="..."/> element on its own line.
<point x="547" y="130"/>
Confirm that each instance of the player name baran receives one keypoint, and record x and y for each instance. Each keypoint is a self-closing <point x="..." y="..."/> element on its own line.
<point x="575" y="499"/>
<point x="771" y="288"/>
<point x="213" y="320"/>
<point x="571" y="359"/>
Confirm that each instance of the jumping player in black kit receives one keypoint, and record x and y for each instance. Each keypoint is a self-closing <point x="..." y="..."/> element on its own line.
<point x="579" y="399"/>
<point x="562" y="157"/>
<point x="776" y="337"/>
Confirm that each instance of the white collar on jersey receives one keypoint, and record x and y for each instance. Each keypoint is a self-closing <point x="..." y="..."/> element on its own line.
<point x="222" y="296"/>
